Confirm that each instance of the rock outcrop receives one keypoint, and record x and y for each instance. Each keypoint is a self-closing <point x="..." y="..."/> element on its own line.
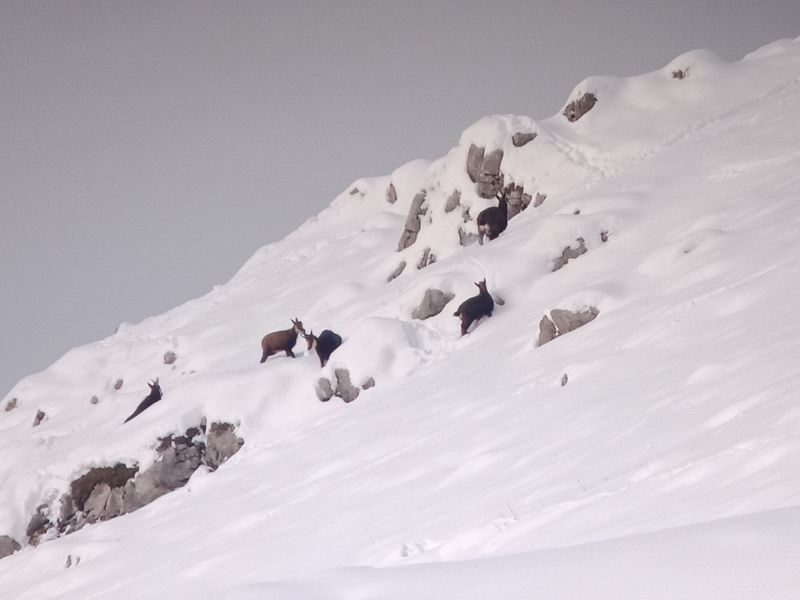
<point x="577" y="108"/>
<point x="569" y="253"/>
<point x="433" y="302"/>
<point x="341" y="386"/>
<point x="563" y="321"/>
<point x="413" y="223"/>
<point x="103" y="493"/>
<point x="519" y="139"/>
<point x="8" y="546"/>
<point x="170" y="357"/>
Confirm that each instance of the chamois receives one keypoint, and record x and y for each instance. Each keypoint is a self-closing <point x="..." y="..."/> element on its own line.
<point x="281" y="341"/>
<point x="476" y="307"/>
<point x="325" y="344"/>
<point x="153" y="397"/>
<point x="493" y="221"/>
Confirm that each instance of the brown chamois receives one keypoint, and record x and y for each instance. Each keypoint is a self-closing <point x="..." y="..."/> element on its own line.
<point x="476" y="307"/>
<point x="153" y="397"/>
<point x="493" y="221"/>
<point x="281" y="341"/>
<point x="324" y="345"/>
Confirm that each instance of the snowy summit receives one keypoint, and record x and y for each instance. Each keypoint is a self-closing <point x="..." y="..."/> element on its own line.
<point x="619" y="420"/>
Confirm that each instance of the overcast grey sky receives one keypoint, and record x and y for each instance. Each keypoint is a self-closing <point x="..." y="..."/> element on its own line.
<point x="149" y="148"/>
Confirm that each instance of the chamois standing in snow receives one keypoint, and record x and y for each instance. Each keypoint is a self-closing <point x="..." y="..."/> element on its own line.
<point x="476" y="307"/>
<point x="493" y="221"/>
<point x="153" y="397"/>
<point x="281" y="341"/>
<point x="325" y="344"/>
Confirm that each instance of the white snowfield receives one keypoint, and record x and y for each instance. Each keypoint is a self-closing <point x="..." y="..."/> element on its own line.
<point x="668" y="466"/>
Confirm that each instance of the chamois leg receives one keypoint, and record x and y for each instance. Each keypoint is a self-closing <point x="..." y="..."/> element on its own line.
<point x="480" y="235"/>
<point x="264" y="355"/>
<point x="465" y="323"/>
<point x="290" y="354"/>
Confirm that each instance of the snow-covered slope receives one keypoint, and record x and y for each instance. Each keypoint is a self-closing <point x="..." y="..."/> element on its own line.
<point x="679" y="406"/>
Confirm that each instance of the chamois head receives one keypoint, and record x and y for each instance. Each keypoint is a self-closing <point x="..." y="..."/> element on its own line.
<point x="482" y="286"/>
<point x="154" y="387"/>
<point x="298" y="326"/>
<point x="311" y="339"/>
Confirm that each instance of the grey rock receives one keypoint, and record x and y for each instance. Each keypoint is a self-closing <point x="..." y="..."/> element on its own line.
<point x="94" y="400"/>
<point x="604" y="236"/>
<point x="118" y="384"/>
<point x="427" y="258"/>
<point x="391" y="194"/>
<point x="567" y="320"/>
<point x="344" y="387"/>
<point x="547" y="331"/>
<point x="38" y="525"/>
<point x="170" y="357"/>
<point x="474" y="162"/>
<point x="8" y="546"/>
<point x="324" y="389"/>
<point x="397" y="271"/>
<point x="453" y="201"/>
<point x="221" y="443"/>
<point x="433" y="302"/>
<point x="577" y="108"/>
<point x="680" y="73"/>
<point x="490" y="179"/>
<point x="40" y="416"/>
<point x="514" y="197"/>
<point x="368" y="383"/>
<point x="540" y="198"/>
<point x="95" y="504"/>
<point x="568" y="254"/>
<point x="11" y="405"/>
<point x="355" y="191"/>
<point x="564" y="380"/>
<point x="519" y="139"/>
<point x="413" y="223"/>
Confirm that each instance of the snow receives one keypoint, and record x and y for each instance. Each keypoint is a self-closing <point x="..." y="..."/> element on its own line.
<point x="665" y="468"/>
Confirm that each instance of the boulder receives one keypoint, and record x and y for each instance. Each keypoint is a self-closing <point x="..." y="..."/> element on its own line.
<point x="413" y="223"/>
<point x="170" y="357"/>
<point x="568" y="254"/>
<point x="344" y="388"/>
<point x="8" y="546"/>
<point x="368" y="383"/>
<point x="474" y="162"/>
<point x="391" y="194"/>
<point x="490" y="179"/>
<point x="397" y="271"/>
<point x="118" y="384"/>
<point x="563" y="321"/>
<point x="40" y="416"/>
<point x="519" y="138"/>
<point x="540" y="198"/>
<point x="11" y="405"/>
<point x="577" y="108"/>
<point x="433" y="302"/>
<point x="324" y="389"/>
<point x="453" y="201"/>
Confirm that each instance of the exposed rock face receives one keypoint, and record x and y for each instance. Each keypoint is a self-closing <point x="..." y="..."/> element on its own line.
<point x="519" y="139"/>
<point x="569" y="253"/>
<point x="324" y="389"/>
<point x="540" y="198"/>
<point x="413" y="223"/>
<point x="391" y="194"/>
<point x="170" y="357"/>
<point x="221" y="443"/>
<point x="577" y="108"/>
<point x="107" y="492"/>
<point x="680" y="73"/>
<point x="563" y="321"/>
<point x="397" y="271"/>
<point x="517" y="199"/>
<point x="453" y="201"/>
<point x="40" y="416"/>
<point x="11" y="405"/>
<point x="368" y="383"/>
<point x="433" y="302"/>
<point x="341" y="386"/>
<point x="474" y="162"/>
<point x="344" y="388"/>
<point x="490" y="180"/>
<point x="8" y="546"/>
<point x="427" y="258"/>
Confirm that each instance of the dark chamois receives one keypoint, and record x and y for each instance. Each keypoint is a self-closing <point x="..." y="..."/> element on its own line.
<point x="153" y="397"/>
<point x="474" y="308"/>
<point x="281" y="341"/>
<point x="325" y="344"/>
<point x="493" y="221"/>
